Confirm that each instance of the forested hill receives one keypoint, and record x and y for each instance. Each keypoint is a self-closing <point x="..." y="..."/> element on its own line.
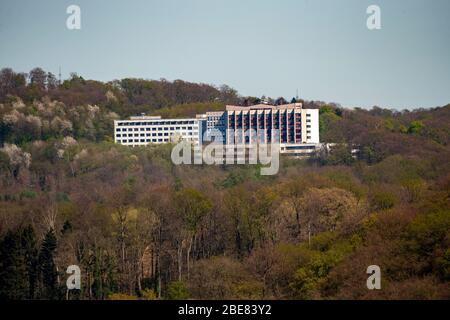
<point x="125" y="97"/>
<point x="35" y="106"/>
<point x="140" y="227"/>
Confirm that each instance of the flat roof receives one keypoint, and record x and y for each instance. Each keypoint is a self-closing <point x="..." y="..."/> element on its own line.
<point x="264" y="106"/>
<point x="160" y="119"/>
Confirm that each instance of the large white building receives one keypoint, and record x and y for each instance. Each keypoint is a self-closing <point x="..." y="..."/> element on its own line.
<point x="142" y="130"/>
<point x="294" y="128"/>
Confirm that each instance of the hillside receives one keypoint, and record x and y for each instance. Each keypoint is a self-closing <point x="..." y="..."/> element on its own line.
<point x="141" y="227"/>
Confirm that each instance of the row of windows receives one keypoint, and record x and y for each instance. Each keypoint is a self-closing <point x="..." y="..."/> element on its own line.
<point x="210" y="123"/>
<point x="214" y="118"/>
<point x="166" y="134"/>
<point x="146" y="140"/>
<point x="155" y="123"/>
<point x="155" y="129"/>
<point x="288" y="111"/>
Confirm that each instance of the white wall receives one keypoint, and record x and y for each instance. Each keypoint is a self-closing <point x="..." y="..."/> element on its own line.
<point x="313" y="116"/>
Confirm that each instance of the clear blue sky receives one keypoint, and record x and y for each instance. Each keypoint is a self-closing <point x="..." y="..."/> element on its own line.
<point x="321" y="47"/>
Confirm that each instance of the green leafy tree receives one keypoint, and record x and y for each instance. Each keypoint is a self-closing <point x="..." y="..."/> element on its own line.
<point x="415" y="127"/>
<point x="177" y="291"/>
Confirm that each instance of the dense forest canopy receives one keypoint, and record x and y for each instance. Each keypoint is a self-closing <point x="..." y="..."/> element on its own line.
<point x="140" y="227"/>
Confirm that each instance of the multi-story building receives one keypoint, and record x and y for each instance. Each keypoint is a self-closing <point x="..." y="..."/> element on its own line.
<point x="216" y="121"/>
<point x="142" y="130"/>
<point x="294" y="128"/>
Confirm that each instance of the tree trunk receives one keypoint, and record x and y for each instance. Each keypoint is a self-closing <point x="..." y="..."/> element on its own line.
<point x="309" y="234"/>
<point x="188" y="255"/>
<point x="180" y="259"/>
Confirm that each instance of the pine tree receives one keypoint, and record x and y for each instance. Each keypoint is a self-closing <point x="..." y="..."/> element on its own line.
<point x="13" y="271"/>
<point x="47" y="267"/>
<point x="28" y="243"/>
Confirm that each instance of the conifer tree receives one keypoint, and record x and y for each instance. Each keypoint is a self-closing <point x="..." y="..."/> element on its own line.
<point x="28" y="243"/>
<point x="13" y="280"/>
<point x="48" y="273"/>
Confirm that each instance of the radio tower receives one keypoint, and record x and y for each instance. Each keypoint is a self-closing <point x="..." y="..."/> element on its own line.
<point x="59" y="74"/>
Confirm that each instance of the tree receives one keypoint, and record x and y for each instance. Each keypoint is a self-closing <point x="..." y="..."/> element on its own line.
<point x="415" y="127"/>
<point x="38" y="78"/>
<point x="177" y="291"/>
<point x="223" y="278"/>
<point x="28" y="242"/>
<point x="280" y="101"/>
<point x="52" y="82"/>
<point x="11" y="83"/>
<point x="13" y="268"/>
<point x="193" y="207"/>
<point x="328" y="209"/>
<point x="48" y="272"/>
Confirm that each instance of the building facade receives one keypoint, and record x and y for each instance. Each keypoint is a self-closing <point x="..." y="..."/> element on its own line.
<point x="294" y="128"/>
<point x="142" y="130"/>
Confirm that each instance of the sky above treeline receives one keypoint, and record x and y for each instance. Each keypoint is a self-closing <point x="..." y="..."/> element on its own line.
<point x="322" y="48"/>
